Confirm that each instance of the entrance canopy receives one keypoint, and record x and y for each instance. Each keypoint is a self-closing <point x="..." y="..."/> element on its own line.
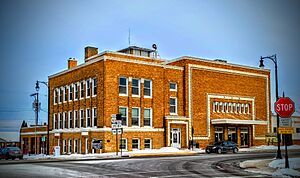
<point x="242" y="122"/>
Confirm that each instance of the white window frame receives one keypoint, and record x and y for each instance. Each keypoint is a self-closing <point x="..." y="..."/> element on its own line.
<point x="54" y="120"/>
<point x="64" y="120"/>
<point x="75" y="115"/>
<point x="226" y="107"/>
<point x="146" y="96"/>
<point x="120" y="107"/>
<point x="176" y="112"/>
<point x="71" y="92"/>
<point x="75" y="89"/>
<point x="123" y="94"/>
<point x="79" y="148"/>
<point x="86" y="146"/>
<point x="81" y="118"/>
<point x="139" y="117"/>
<point x="86" y="88"/>
<point x="58" y="121"/>
<point x="87" y="113"/>
<point x="222" y="107"/>
<point x="64" y="94"/>
<point x="55" y="97"/>
<point x="81" y="88"/>
<point x="69" y="119"/>
<point x="93" y="87"/>
<point x="217" y="107"/>
<point x="150" y="144"/>
<point x="70" y="146"/>
<point x="139" y="87"/>
<point x="231" y="107"/>
<point x="150" y="117"/>
<point x="126" y="144"/>
<point x="60" y="97"/>
<point x="75" y="146"/>
<point x="93" y="116"/>
<point x="64" y="146"/>
<point x="171" y="89"/>
<point x="139" y="144"/>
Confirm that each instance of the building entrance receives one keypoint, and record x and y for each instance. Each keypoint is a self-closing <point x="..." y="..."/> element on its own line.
<point x="175" y="138"/>
<point x="219" y="134"/>
<point x="232" y="134"/>
<point x="244" y="137"/>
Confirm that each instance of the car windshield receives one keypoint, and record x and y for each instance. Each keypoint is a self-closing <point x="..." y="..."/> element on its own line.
<point x="218" y="143"/>
<point x="14" y="148"/>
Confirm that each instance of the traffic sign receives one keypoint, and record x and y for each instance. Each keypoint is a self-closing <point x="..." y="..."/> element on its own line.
<point x="285" y="122"/>
<point x="285" y="130"/>
<point x="284" y="107"/>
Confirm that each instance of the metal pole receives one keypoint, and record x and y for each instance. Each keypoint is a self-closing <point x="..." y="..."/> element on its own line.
<point x="286" y="152"/>
<point x="117" y="142"/>
<point x="278" y="156"/>
<point x="121" y="140"/>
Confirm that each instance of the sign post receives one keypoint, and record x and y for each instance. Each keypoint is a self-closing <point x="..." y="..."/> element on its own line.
<point x="285" y="107"/>
<point x="116" y="128"/>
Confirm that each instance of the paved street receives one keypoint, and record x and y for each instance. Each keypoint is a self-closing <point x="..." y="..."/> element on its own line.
<point x="202" y="165"/>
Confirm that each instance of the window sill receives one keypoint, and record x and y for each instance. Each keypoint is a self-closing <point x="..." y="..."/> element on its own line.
<point x="136" y="96"/>
<point x="150" y="97"/>
<point x="123" y="94"/>
<point x="173" y="114"/>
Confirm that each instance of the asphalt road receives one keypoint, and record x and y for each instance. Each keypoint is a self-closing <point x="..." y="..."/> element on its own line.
<point x="203" y="165"/>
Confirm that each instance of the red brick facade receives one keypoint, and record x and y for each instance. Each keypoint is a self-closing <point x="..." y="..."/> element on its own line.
<point x="199" y="99"/>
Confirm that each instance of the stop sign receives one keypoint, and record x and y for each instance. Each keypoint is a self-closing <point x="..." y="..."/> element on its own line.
<point x="284" y="107"/>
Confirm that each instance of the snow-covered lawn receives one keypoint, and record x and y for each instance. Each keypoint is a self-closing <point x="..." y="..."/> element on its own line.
<point x="270" y="147"/>
<point x="294" y="163"/>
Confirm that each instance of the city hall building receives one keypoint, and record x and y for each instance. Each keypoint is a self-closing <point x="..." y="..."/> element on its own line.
<point x="162" y="102"/>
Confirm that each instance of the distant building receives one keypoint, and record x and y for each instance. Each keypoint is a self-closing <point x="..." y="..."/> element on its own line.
<point x="29" y="135"/>
<point x="163" y="103"/>
<point x="7" y="143"/>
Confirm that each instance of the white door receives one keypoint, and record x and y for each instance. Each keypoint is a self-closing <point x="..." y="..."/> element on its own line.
<point x="175" y="138"/>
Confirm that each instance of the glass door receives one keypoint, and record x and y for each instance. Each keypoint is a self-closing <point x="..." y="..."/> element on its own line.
<point x="244" y="137"/>
<point x="219" y="134"/>
<point x="175" y="138"/>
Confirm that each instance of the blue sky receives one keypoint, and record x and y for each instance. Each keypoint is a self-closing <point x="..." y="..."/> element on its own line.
<point x="37" y="37"/>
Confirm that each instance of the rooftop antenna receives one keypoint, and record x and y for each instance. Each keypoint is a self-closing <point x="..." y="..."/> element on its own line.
<point x="129" y="36"/>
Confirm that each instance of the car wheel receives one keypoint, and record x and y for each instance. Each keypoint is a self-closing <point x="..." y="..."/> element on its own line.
<point x="207" y="151"/>
<point x="219" y="151"/>
<point x="235" y="150"/>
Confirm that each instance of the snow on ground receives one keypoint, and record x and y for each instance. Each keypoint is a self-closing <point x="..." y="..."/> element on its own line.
<point x="270" y="147"/>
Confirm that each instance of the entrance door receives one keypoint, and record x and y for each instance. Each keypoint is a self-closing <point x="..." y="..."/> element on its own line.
<point x="232" y="134"/>
<point x="175" y="138"/>
<point x="219" y="135"/>
<point x="244" y="137"/>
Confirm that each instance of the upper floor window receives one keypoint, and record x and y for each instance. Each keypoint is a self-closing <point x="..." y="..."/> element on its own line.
<point x="88" y="118"/>
<point x="94" y="87"/>
<point x="173" y="105"/>
<point x="54" y="121"/>
<point x="147" y="88"/>
<point x="65" y="94"/>
<point x="70" y="92"/>
<point x="81" y="89"/>
<point x="135" y="87"/>
<point x="76" y="93"/>
<point x="81" y="115"/>
<point x="76" y="119"/>
<point x="173" y="87"/>
<point x="95" y="117"/>
<point x="123" y="86"/>
<point x="70" y="119"/>
<point x="60" y="95"/>
<point x="55" y="96"/>
<point x="123" y="112"/>
<point x="147" y="117"/>
<point x="88" y="88"/>
<point x="135" y="116"/>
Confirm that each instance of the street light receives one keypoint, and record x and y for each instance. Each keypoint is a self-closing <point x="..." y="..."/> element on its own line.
<point x="261" y="65"/>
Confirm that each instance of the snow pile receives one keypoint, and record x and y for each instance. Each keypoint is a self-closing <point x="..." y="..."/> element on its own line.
<point x="294" y="163"/>
<point x="39" y="156"/>
<point x="270" y="147"/>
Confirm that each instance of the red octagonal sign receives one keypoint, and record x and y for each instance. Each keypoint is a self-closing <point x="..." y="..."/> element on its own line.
<point x="284" y="107"/>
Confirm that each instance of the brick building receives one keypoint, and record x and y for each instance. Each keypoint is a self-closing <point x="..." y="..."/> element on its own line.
<point x="33" y="139"/>
<point x="163" y="103"/>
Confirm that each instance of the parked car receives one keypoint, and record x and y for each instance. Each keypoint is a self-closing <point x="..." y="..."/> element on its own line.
<point x="11" y="153"/>
<point x="1" y="155"/>
<point x="222" y="147"/>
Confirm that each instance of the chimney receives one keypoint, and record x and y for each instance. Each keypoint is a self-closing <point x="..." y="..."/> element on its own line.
<point x="72" y="62"/>
<point x="90" y="51"/>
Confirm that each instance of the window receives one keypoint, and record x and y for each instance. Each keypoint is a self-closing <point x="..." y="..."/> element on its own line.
<point x="70" y="92"/>
<point x="297" y="130"/>
<point x="65" y="120"/>
<point x="147" y="117"/>
<point x="135" y="116"/>
<point x="123" y="144"/>
<point x="226" y="107"/>
<point x="64" y="146"/>
<point x="55" y="96"/>
<point x="243" y="108"/>
<point x="94" y="87"/>
<point x="76" y="93"/>
<point x="88" y="118"/>
<point x="222" y="106"/>
<point x="173" y="87"/>
<point x="70" y="119"/>
<point x="148" y="144"/>
<point x="54" y="121"/>
<point x="123" y="86"/>
<point x="75" y="119"/>
<point x="88" y="88"/>
<point x="135" y="144"/>
<point x="81" y="89"/>
<point x="60" y="95"/>
<point x="148" y="88"/>
<point x="123" y="111"/>
<point x="214" y="106"/>
<point x="75" y="146"/>
<point x="230" y="107"/>
<point x="135" y="86"/>
<point x="65" y="94"/>
<point x="217" y="106"/>
<point x="173" y="105"/>
<point x="70" y="146"/>
<point x="59" y="124"/>
<point x="95" y="117"/>
<point x="81" y="118"/>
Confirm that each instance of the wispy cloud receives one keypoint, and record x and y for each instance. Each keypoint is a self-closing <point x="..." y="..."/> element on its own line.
<point x="10" y="136"/>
